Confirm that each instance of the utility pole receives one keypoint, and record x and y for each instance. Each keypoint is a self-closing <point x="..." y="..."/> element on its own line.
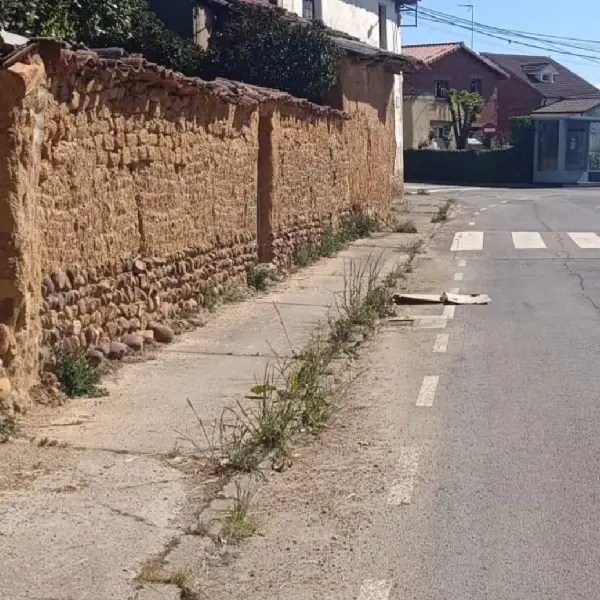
<point x="471" y="7"/>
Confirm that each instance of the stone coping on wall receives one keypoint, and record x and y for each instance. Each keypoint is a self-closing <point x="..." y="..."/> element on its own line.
<point x="112" y="71"/>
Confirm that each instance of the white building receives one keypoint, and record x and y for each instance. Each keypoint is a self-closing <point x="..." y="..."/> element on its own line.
<point x="375" y="22"/>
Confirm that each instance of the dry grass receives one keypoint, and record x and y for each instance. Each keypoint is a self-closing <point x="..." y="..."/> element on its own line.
<point x="298" y="394"/>
<point x="156" y="573"/>
<point x="239" y="523"/>
<point x="8" y="429"/>
<point x="404" y="226"/>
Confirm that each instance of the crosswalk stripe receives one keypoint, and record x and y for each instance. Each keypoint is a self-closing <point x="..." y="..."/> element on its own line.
<point x="523" y="240"/>
<point x="527" y="240"/>
<point x="585" y="240"/>
<point x="467" y="240"/>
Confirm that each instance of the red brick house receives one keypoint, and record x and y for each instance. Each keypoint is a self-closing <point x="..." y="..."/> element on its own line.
<point x="534" y="82"/>
<point x="451" y="66"/>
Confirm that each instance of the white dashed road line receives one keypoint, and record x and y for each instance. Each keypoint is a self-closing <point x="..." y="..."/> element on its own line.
<point x="585" y="240"/>
<point x="527" y="240"/>
<point x="441" y="342"/>
<point x="459" y="276"/>
<point x="374" y="589"/>
<point x="449" y="311"/>
<point x="455" y="290"/>
<point x="472" y="223"/>
<point x="462" y="263"/>
<point x="467" y="240"/>
<point x="403" y="487"/>
<point x="427" y="392"/>
<point x="483" y="209"/>
<point x="431" y="322"/>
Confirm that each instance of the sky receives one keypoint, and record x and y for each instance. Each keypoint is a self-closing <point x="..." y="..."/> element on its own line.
<point x="577" y="18"/>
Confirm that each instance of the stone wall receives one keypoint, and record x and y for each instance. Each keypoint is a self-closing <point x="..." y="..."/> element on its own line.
<point x="132" y="195"/>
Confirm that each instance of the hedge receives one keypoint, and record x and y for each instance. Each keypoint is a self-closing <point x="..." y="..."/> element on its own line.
<point x="512" y="165"/>
<point x="468" y="166"/>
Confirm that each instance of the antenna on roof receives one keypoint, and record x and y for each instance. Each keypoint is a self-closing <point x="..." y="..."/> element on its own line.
<point x="471" y="7"/>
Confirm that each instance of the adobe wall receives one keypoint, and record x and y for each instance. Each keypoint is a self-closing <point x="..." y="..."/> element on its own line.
<point x="369" y="136"/>
<point x="135" y="195"/>
<point x="311" y="179"/>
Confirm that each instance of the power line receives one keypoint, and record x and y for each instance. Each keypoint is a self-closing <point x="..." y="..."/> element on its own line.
<point x="488" y="29"/>
<point x="510" y="36"/>
<point x="515" y="31"/>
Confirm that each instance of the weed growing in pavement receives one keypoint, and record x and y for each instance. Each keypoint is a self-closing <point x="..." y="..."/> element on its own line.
<point x="352" y="227"/>
<point x="443" y="211"/>
<point x="331" y="242"/>
<point x="239" y="523"/>
<point x="306" y="255"/>
<point x="258" y="278"/>
<point x="8" y="429"/>
<point x="77" y="376"/>
<point x="299" y="395"/>
<point x="404" y="226"/>
<point x="155" y="573"/>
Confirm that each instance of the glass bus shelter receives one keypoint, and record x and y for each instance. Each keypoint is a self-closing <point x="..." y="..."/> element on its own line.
<point x="567" y="150"/>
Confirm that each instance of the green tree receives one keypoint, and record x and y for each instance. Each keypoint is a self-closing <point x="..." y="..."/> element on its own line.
<point x="128" y="24"/>
<point x="249" y="43"/>
<point x="465" y="109"/>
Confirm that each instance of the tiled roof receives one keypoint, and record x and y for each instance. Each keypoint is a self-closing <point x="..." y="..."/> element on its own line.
<point x="569" y="106"/>
<point x="360" y="49"/>
<point x="430" y="53"/>
<point x="566" y="83"/>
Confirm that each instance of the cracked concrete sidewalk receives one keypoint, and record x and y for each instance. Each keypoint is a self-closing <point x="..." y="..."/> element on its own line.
<point x="78" y="519"/>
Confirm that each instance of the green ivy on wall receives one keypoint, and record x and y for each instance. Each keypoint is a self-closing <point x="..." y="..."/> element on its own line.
<point x="255" y="44"/>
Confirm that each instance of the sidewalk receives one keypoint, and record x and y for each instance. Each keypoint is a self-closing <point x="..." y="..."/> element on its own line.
<point x="80" y="518"/>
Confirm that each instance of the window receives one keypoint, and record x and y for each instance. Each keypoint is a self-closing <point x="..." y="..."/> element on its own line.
<point x="477" y="85"/>
<point x="442" y="87"/>
<point x="576" y="155"/>
<point x="547" y="155"/>
<point x="308" y="9"/>
<point x="441" y="130"/>
<point x="383" y="26"/>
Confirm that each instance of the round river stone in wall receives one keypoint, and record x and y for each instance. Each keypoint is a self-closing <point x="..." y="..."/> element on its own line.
<point x="135" y="342"/>
<point x="163" y="334"/>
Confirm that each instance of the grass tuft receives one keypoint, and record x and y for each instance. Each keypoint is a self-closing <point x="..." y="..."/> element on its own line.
<point x="76" y="375"/>
<point x="155" y="573"/>
<point x="258" y="278"/>
<point x="300" y="394"/>
<point x="352" y="227"/>
<point x="443" y="211"/>
<point x="239" y="523"/>
<point x="404" y="226"/>
<point x="8" y="429"/>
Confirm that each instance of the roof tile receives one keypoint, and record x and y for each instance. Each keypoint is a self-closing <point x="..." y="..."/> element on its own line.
<point x="430" y="52"/>
<point x="569" y="106"/>
<point x="566" y="83"/>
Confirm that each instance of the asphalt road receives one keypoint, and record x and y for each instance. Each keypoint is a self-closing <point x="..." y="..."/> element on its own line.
<point x="507" y="502"/>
